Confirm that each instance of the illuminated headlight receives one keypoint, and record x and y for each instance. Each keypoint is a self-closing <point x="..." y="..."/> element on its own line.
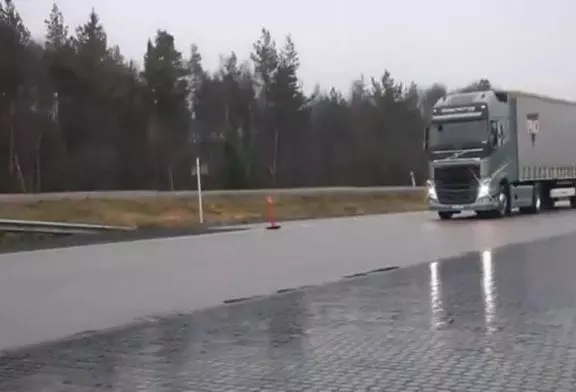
<point x="484" y="189"/>
<point x="431" y="190"/>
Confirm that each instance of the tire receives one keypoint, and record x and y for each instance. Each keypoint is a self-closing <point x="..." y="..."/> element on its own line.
<point x="548" y="203"/>
<point x="536" y="205"/>
<point x="505" y="208"/>
<point x="444" y="215"/>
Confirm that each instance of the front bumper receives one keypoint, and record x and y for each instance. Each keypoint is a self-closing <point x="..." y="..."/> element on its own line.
<point x="483" y="204"/>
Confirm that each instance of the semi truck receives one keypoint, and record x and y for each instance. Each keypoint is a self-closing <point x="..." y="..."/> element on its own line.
<point x="494" y="152"/>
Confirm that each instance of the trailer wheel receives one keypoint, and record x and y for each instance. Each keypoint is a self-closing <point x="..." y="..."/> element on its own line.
<point x="445" y="215"/>
<point x="548" y="203"/>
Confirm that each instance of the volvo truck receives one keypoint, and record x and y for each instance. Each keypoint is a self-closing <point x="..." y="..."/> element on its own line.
<point x="494" y="152"/>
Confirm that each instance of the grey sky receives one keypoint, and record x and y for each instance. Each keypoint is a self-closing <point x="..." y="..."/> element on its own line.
<point x="519" y="44"/>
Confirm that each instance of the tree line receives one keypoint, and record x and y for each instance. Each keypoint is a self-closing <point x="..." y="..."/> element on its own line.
<point x="76" y="115"/>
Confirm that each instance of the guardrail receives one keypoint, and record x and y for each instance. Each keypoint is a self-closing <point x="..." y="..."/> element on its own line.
<point x="22" y="197"/>
<point x="57" y="228"/>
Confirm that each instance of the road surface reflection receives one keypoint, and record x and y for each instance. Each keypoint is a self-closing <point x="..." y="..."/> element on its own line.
<point x="498" y="320"/>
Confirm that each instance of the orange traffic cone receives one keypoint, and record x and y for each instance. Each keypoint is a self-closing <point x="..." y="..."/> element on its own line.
<point x="271" y="214"/>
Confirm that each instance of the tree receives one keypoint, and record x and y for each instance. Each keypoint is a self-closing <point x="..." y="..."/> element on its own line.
<point x="265" y="59"/>
<point x="57" y="36"/>
<point x="14" y="60"/>
<point x="286" y="85"/>
<point x="429" y="97"/>
<point x="237" y="96"/>
<point x="75" y="114"/>
<point x="196" y="77"/>
<point x="92" y="41"/>
<point x="288" y="112"/>
<point x="479" y="85"/>
<point x="166" y="77"/>
<point x="14" y="40"/>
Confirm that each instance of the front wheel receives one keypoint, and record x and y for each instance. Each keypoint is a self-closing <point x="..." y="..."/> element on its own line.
<point x="504" y="207"/>
<point x="444" y="215"/>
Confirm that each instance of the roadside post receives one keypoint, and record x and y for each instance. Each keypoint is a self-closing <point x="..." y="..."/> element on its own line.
<point x="199" y="189"/>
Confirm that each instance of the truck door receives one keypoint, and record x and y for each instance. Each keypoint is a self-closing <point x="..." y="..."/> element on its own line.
<point x="500" y="141"/>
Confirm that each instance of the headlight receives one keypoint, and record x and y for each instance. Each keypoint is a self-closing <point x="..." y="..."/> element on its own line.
<point x="484" y="189"/>
<point x="431" y="190"/>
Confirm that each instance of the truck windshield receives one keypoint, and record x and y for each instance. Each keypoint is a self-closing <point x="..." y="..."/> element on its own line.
<point x="457" y="135"/>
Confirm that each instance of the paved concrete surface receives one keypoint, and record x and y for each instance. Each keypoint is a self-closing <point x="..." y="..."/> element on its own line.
<point x="501" y="321"/>
<point x="50" y="294"/>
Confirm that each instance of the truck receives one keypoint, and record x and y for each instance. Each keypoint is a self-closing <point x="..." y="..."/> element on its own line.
<point x="494" y="152"/>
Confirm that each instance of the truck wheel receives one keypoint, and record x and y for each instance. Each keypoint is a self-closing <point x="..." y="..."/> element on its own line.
<point x="444" y="215"/>
<point x="548" y="203"/>
<point x="504" y="208"/>
<point x="536" y="202"/>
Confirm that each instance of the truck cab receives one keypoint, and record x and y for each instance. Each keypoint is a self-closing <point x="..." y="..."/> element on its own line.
<point x="470" y="148"/>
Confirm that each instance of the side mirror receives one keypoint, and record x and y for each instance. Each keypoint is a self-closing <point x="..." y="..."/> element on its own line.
<point x="494" y="139"/>
<point x="493" y="133"/>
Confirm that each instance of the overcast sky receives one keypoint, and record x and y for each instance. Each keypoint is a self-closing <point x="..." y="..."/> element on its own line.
<point x="520" y="44"/>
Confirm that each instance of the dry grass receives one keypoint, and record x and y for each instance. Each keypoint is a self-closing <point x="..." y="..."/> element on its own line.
<point x="183" y="212"/>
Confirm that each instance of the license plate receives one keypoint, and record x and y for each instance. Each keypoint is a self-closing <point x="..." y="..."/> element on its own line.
<point x="457" y="207"/>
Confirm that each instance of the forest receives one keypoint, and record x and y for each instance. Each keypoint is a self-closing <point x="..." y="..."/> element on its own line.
<point x="76" y="115"/>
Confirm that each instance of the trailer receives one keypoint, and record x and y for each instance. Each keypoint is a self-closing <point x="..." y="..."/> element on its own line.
<point x="493" y="152"/>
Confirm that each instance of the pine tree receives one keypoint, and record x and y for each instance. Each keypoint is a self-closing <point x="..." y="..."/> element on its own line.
<point x="57" y="36"/>
<point x="165" y="74"/>
<point x="287" y="90"/>
<point x="479" y="85"/>
<point x="429" y="97"/>
<point x="166" y="77"/>
<point x="14" y="39"/>
<point x="195" y="79"/>
<point x="265" y="59"/>
<point x="91" y="40"/>
<point x="287" y="102"/>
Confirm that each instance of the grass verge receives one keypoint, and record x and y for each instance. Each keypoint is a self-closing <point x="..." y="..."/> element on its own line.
<point x="169" y="212"/>
<point x="169" y="216"/>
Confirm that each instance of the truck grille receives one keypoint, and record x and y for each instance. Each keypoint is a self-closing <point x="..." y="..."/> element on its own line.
<point x="457" y="184"/>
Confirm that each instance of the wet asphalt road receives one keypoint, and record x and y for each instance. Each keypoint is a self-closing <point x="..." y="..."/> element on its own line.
<point x="54" y="293"/>
<point x="498" y="320"/>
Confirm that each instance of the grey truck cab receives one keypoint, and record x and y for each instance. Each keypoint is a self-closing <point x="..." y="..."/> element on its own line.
<point x="465" y="144"/>
<point x="484" y="154"/>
